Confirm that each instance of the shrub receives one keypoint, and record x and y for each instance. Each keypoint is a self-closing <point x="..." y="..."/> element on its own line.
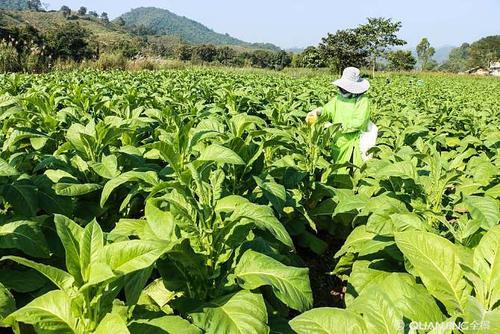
<point x="110" y="61"/>
<point x="9" y="58"/>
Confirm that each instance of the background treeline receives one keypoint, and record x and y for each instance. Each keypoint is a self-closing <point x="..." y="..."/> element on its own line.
<point x="35" y="40"/>
<point x="467" y="56"/>
<point x="25" y="48"/>
<point x="373" y="44"/>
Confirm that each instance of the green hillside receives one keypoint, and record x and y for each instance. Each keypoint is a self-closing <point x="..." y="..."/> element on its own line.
<point x="163" y="22"/>
<point x="107" y="35"/>
<point x="14" y="4"/>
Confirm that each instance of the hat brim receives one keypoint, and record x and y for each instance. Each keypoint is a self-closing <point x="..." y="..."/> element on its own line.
<point x="358" y="87"/>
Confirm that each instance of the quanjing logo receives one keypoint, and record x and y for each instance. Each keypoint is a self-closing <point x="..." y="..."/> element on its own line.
<point x="447" y="325"/>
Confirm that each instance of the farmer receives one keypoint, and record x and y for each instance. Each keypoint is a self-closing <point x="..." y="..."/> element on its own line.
<point x="351" y="109"/>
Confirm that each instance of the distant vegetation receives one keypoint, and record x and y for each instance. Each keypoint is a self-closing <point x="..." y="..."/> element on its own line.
<point x="14" y="4"/>
<point x="35" y="40"/>
<point x="351" y="47"/>
<point x="157" y="21"/>
<point x="479" y="53"/>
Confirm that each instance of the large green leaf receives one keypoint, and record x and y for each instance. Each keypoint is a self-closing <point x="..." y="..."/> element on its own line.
<point x="60" y="278"/>
<point x="363" y="242"/>
<point x="230" y="203"/>
<point x="32" y="280"/>
<point x="221" y="154"/>
<point x="379" y="313"/>
<point x="70" y="235"/>
<point x="161" y="223"/>
<point x="150" y="178"/>
<point x="26" y="236"/>
<point x="50" y="313"/>
<point x="274" y="192"/>
<point x="90" y="245"/>
<point x="112" y="323"/>
<point x="394" y="299"/>
<point x="169" y="324"/>
<point x="348" y="201"/>
<point x="436" y="261"/>
<point x="74" y="189"/>
<point x="364" y="276"/>
<point x="6" y="169"/>
<point x="241" y="313"/>
<point x="483" y="209"/>
<point x="486" y="262"/>
<point x="135" y="283"/>
<point x="23" y="197"/>
<point x="263" y="217"/>
<point x="478" y="319"/>
<point x="411" y="299"/>
<point x="328" y="321"/>
<point x="289" y="284"/>
<point x="7" y="303"/>
<point x="128" y="256"/>
<point x="108" y="168"/>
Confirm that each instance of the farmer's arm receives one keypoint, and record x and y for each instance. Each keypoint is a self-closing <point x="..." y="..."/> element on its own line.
<point x="321" y="114"/>
<point x="328" y="112"/>
<point x="358" y="122"/>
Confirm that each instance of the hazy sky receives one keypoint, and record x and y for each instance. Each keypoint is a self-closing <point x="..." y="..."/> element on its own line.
<point x="294" y="23"/>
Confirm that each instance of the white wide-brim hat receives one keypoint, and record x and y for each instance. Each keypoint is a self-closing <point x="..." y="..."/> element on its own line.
<point x="352" y="82"/>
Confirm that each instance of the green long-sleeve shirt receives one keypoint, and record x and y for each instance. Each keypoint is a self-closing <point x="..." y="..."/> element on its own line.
<point x="354" y="115"/>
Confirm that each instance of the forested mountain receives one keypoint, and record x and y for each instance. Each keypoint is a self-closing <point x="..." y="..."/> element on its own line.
<point x="14" y="4"/>
<point x="163" y="22"/>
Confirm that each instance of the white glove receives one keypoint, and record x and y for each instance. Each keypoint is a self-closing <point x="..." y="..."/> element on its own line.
<point x="312" y="117"/>
<point x="368" y="140"/>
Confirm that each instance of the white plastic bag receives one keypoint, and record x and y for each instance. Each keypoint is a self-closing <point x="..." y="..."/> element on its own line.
<point x="368" y="140"/>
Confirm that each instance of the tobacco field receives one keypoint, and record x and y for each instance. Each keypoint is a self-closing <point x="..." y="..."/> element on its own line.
<point x="199" y="201"/>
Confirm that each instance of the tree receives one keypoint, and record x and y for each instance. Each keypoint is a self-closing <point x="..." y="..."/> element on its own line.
<point x="204" y="53"/>
<point x="484" y="51"/>
<point x="401" y="60"/>
<point x="458" y="59"/>
<point x="424" y="53"/>
<point x="282" y="59"/>
<point x="311" y="58"/>
<point x="343" y="49"/>
<point x="226" y="56"/>
<point x="70" y="41"/>
<point x="104" y="17"/>
<point x="93" y="13"/>
<point x="34" y="5"/>
<point x="262" y="59"/>
<point x="378" y="35"/>
<point x="82" y="11"/>
<point x="120" y="21"/>
<point x="184" y="52"/>
<point x="66" y="11"/>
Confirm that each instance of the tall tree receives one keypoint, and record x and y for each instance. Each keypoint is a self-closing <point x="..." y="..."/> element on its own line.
<point x="458" y="59"/>
<point x="204" y="53"/>
<point x="120" y="21"/>
<point x="70" y="41"/>
<point x="34" y="5"/>
<point x="82" y="11"/>
<point x="66" y="11"/>
<point x="104" y="17"/>
<point x="378" y="35"/>
<point x="401" y="60"/>
<point x="310" y="58"/>
<point x="424" y="53"/>
<point x="184" y="52"/>
<point x="343" y="49"/>
<point x="485" y="51"/>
